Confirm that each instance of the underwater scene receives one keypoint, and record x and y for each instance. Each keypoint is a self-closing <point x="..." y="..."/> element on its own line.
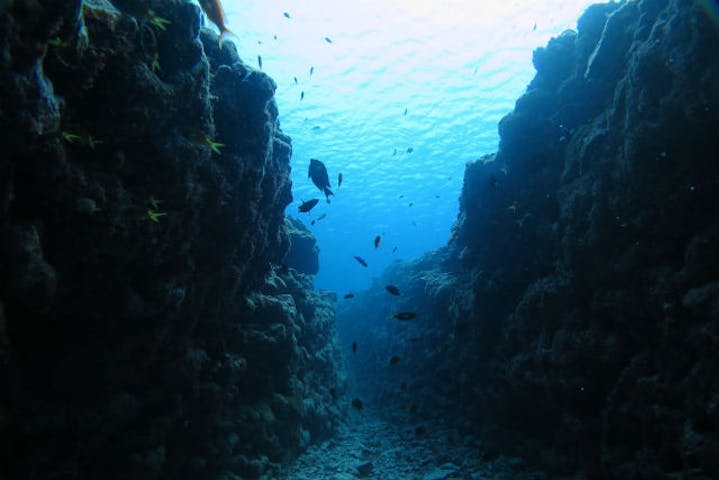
<point x="314" y="240"/>
<point x="397" y="97"/>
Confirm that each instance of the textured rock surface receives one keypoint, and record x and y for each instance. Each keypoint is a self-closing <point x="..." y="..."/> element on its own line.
<point x="303" y="254"/>
<point x="572" y="320"/>
<point x="401" y="448"/>
<point x="143" y="330"/>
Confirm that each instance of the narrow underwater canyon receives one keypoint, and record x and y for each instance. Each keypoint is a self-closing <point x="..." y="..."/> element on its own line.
<point x="157" y="313"/>
<point x="573" y="319"/>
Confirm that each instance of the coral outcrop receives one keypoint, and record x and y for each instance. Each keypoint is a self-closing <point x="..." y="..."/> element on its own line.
<point x="144" y="332"/>
<point x="304" y="253"/>
<point x="572" y="319"/>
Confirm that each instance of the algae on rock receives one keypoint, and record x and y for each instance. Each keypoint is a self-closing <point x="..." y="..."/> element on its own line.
<point x="130" y="244"/>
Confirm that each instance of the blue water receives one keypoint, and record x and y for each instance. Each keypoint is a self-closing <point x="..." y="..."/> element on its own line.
<point x="456" y="66"/>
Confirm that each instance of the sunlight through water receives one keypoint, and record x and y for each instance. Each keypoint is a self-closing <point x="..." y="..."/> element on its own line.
<point x="398" y="96"/>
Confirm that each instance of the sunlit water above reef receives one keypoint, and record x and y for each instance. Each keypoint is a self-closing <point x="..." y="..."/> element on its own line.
<point x="397" y="96"/>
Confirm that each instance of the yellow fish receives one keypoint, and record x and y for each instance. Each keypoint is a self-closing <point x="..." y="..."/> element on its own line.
<point x="214" y="11"/>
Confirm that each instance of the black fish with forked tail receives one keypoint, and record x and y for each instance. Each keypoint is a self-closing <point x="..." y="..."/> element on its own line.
<point x="357" y="404"/>
<point x="308" y="205"/>
<point x="404" y="316"/>
<point x="318" y="173"/>
<point x="393" y="290"/>
<point x="361" y="261"/>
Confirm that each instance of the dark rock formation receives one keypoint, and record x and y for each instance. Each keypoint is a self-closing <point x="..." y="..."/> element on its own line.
<point x="143" y="331"/>
<point x="304" y="253"/>
<point x="572" y="320"/>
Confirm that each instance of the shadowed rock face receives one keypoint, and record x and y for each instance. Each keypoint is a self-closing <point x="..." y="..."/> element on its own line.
<point x="303" y="254"/>
<point x="572" y="320"/>
<point x="143" y="330"/>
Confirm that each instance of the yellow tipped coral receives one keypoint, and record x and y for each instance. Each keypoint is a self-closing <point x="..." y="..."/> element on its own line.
<point x="91" y="141"/>
<point x="57" y="42"/>
<point x="81" y="138"/>
<point x="156" y="63"/>
<point x="154" y="202"/>
<point x="215" y="146"/>
<point x="155" y="216"/>
<point x="157" y="21"/>
<point x="70" y="137"/>
<point x="203" y="139"/>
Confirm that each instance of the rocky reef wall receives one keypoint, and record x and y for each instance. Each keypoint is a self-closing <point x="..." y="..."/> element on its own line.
<point x="146" y="327"/>
<point x="572" y="319"/>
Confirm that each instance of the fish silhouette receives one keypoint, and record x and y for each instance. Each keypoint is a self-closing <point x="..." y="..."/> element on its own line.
<point x="318" y="173"/>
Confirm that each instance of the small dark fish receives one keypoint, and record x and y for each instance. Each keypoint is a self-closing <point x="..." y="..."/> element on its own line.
<point x="534" y="28"/>
<point x="393" y="290"/>
<point x="436" y="196"/>
<point x="302" y="95"/>
<point x="420" y="431"/>
<point x="349" y="295"/>
<point x="259" y="42"/>
<point x="317" y="127"/>
<point x="312" y="69"/>
<point x="394" y="360"/>
<point x="410" y="150"/>
<point x="339" y="180"/>
<point x="274" y="36"/>
<point x="357" y="404"/>
<point x="322" y="217"/>
<point x="318" y="173"/>
<point x="333" y="393"/>
<point x="312" y="222"/>
<point x="395" y="152"/>
<point x="328" y="40"/>
<point x="394" y="249"/>
<point x="295" y="80"/>
<point x="413" y="408"/>
<point x="259" y="61"/>
<point x="404" y="315"/>
<point x="405" y="111"/>
<point x="354" y="347"/>
<point x="493" y="181"/>
<point x="414" y="339"/>
<point x="308" y="205"/>
<point x="365" y="470"/>
<point x="287" y="15"/>
<point x="401" y="196"/>
<point x="403" y="386"/>
<point x="361" y="261"/>
<point x="411" y="203"/>
<point x="377" y="241"/>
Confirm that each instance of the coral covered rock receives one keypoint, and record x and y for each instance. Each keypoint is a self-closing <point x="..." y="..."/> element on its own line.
<point x="143" y="181"/>
<point x="303" y="254"/>
<point x="572" y="318"/>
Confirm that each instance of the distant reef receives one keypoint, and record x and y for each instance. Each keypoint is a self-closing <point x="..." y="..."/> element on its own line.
<point x="572" y="320"/>
<point x="148" y="329"/>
